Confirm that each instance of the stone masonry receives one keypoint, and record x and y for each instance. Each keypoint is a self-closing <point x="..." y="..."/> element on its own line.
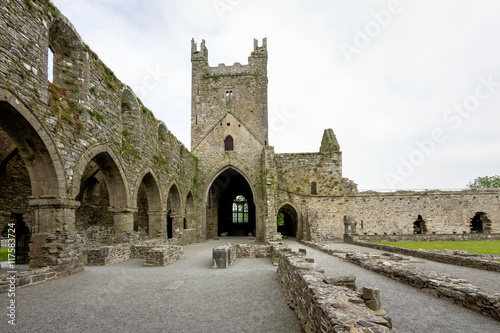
<point x="83" y="152"/>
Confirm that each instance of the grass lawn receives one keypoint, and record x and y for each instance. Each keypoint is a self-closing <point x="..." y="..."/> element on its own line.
<point x="486" y="247"/>
<point x="3" y="255"/>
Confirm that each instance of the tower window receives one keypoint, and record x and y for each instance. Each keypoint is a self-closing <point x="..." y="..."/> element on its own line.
<point x="313" y="188"/>
<point x="228" y="143"/>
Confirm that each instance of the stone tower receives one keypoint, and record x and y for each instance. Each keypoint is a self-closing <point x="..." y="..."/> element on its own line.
<point x="229" y="130"/>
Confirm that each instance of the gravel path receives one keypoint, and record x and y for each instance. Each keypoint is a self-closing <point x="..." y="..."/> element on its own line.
<point x="186" y="296"/>
<point x="487" y="280"/>
<point x="410" y="309"/>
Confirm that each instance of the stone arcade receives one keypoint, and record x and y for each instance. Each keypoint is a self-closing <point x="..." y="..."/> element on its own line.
<point x="81" y="158"/>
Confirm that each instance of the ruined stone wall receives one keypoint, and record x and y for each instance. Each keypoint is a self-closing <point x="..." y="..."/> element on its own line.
<point x="86" y="111"/>
<point x="443" y="212"/>
<point x="297" y="172"/>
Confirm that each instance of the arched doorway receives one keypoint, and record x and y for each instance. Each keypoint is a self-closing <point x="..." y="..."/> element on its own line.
<point x="230" y="205"/>
<point x="175" y="220"/>
<point x="419" y="226"/>
<point x="150" y="218"/>
<point x="480" y="223"/>
<point x="287" y="221"/>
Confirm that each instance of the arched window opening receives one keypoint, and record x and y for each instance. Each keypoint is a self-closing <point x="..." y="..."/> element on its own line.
<point x="240" y="209"/>
<point x="50" y="65"/>
<point x="314" y="188"/>
<point x="228" y="143"/>
<point x="419" y="226"/>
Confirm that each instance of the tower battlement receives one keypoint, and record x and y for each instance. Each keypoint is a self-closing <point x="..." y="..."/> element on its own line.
<point x="202" y="54"/>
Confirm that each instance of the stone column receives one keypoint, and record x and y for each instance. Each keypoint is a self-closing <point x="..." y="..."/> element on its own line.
<point x="123" y="218"/>
<point x="177" y="224"/>
<point x="55" y="242"/>
<point x="157" y="223"/>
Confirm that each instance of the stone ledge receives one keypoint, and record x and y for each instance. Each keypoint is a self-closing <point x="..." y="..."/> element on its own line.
<point x="35" y="277"/>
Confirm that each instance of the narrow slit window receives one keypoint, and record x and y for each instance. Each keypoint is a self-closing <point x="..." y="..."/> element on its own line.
<point x="50" y="65"/>
<point x="314" y="188"/>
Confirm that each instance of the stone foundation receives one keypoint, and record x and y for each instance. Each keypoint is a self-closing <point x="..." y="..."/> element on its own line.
<point x="107" y="255"/>
<point x="323" y="307"/>
<point x="459" y="258"/>
<point x="161" y="256"/>
<point x="457" y="290"/>
<point x="426" y="237"/>
<point x="34" y="277"/>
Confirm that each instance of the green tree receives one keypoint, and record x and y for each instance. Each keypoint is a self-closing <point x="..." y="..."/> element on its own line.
<point x="485" y="182"/>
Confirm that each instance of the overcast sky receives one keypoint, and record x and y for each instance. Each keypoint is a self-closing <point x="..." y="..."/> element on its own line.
<point x="410" y="88"/>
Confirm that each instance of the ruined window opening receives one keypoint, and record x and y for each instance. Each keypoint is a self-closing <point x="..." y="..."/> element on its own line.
<point x="228" y="124"/>
<point x="419" y="226"/>
<point x="314" y="188"/>
<point x="480" y="223"/>
<point x="50" y="65"/>
<point x="185" y="223"/>
<point x="240" y="209"/>
<point x="228" y="143"/>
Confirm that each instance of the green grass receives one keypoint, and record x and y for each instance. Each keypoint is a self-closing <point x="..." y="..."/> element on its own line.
<point x="485" y="247"/>
<point x="4" y="255"/>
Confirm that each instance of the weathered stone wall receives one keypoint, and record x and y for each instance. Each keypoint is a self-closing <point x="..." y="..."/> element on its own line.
<point x="444" y="212"/>
<point x="86" y="123"/>
<point x="107" y="255"/>
<point x="161" y="256"/>
<point x="322" y="307"/>
<point x="464" y="236"/>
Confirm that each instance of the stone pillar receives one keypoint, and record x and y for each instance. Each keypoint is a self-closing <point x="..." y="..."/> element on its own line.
<point x="157" y="223"/>
<point x="177" y="224"/>
<point x="55" y="242"/>
<point x="123" y="218"/>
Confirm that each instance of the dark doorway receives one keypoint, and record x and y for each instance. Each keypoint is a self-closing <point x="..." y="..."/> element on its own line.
<point x="170" y="222"/>
<point x="419" y="226"/>
<point x="480" y="223"/>
<point x="23" y="240"/>
<point x="287" y="221"/>
<point x="231" y="206"/>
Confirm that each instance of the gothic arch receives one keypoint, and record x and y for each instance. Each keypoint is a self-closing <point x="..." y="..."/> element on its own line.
<point x="217" y="174"/>
<point x="131" y="115"/>
<point x="175" y="218"/>
<point x="150" y="213"/>
<point x="291" y="226"/>
<point x="108" y="163"/>
<point x="45" y="168"/>
<point x="155" y="198"/>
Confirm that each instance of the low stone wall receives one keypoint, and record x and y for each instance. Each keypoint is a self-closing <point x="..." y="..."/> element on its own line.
<point x="459" y="258"/>
<point x="32" y="277"/>
<point x="426" y="237"/>
<point x="161" y="256"/>
<point x="107" y="255"/>
<point x="458" y="290"/>
<point x="323" y="307"/>
<point x="253" y="251"/>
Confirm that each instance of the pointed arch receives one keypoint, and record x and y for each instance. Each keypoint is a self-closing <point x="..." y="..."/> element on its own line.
<point x="36" y="146"/>
<point x="108" y="163"/>
<point x="227" y="188"/>
<point x="290" y="224"/>
<point x="148" y="198"/>
<point x="175" y="218"/>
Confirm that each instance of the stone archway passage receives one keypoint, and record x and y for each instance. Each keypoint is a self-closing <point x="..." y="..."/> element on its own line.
<point x="287" y="221"/>
<point x="230" y="206"/>
<point x="480" y="223"/>
<point x="419" y="226"/>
